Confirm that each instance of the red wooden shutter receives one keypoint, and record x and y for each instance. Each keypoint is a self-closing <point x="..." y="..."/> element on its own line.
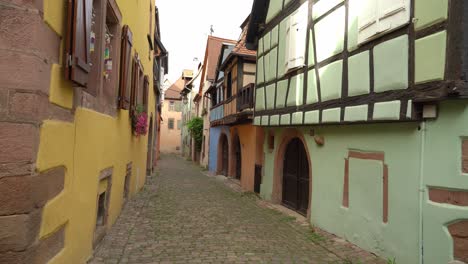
<point x="145" y="92"/>
<point x="77" y="52"/>
<point x="125" y="68"/>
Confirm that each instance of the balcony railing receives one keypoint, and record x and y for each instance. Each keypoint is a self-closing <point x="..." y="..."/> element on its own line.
<point x="245" y="97"/>
<point x="217" y="113"/>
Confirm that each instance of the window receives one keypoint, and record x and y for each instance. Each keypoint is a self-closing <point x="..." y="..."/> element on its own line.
<point x="126" y="69"/>
<point x="128" y="176"/>
<point x="179" y="124"/>
<point x="78" y="52"/>
<point x="136" y="96"/>
<point x="213" y="95"/>
<point x="102" y="204"/>
<point x="111" y="53"/>
<point x="377" y="17"/>
<point x="101" y="209"/>
<point x="229" y="86"/>
<point x="296" y="34"/>
<point x="91" y="46"/>
<point x="145" y="93"/>
<point x="141" y="87"/>
<point x="170" y="123"/>
<point x="171" y="106"/>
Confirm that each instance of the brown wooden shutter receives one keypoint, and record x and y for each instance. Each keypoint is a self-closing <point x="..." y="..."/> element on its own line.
<point x="145" y="92"/>
<point x="77" y="52"/>
<point x="135" y="73"/>
<point x="126" y="66"/>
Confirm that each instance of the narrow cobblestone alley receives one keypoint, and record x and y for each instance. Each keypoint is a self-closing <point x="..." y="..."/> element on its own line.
<point x="184" y="216"/>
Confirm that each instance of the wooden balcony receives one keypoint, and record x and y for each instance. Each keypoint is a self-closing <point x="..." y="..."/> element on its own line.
<point x="245" y="98"/>
<point x="237" y="109"/>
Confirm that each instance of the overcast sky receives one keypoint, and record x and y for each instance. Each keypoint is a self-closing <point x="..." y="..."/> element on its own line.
<point x="185" y="26"/>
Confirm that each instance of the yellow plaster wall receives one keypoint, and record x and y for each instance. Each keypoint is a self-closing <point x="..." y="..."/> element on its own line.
<point x="92" y="143"/>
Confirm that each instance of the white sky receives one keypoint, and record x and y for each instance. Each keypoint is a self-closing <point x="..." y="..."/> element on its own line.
<point x="185" y="26"/>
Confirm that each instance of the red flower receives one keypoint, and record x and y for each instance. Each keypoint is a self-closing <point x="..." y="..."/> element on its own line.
<point x="141" y="124"/>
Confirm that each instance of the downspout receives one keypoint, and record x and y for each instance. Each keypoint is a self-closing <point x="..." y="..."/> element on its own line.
<point x="421" y="191"/>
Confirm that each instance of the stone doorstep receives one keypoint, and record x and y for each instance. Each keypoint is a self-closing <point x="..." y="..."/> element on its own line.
<point x="232" y="183"/>
<point x="300" y="219"/>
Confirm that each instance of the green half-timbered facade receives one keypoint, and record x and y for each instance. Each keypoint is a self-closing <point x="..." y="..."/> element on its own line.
<point x="364" y="106"/>
<point x="338" y="62"/>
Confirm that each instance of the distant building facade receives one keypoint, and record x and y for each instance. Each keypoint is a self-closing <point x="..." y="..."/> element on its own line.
<point x="171" y="126"/>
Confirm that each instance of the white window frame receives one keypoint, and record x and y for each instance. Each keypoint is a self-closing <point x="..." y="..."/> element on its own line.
<point x="296" y="43"/>
<point x="384" y="16"/>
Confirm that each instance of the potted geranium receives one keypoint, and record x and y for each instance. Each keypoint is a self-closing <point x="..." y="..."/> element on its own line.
<point x="139" y="121"/>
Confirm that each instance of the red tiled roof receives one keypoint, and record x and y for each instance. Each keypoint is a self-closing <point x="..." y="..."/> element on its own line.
<point x="174" y="91"/>
<point x="214" y="49"/>
<point x="212" y="52"/>
<point x="240" y="48"/>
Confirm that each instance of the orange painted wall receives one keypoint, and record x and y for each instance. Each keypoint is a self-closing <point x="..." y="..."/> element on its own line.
<point x="249" y="151"/>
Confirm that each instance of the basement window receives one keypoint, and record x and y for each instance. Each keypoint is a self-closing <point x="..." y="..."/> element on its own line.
<point x="128" y="176"/>
<point x="101" y="209"/>
<point x="102" y="204"/>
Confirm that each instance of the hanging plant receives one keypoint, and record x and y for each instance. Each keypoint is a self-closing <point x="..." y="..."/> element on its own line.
<point x="139" y="121"/>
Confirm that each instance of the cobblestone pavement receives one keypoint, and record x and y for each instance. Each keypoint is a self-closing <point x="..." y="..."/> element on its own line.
<point x="184" y="216"/>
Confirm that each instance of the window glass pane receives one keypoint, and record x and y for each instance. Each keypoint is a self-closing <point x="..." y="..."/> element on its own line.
<point x="170" y="124"/>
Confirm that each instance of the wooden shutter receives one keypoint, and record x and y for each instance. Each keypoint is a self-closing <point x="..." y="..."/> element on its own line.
<point x="77" y="51"/>
<point x="393" y="14"/>
<point x="134" y="82"/>
<point x="125" y="68"/>
<point x="381" y="16"/>
<point x="297" y="38"/>
<point x="367" y="20"/>
<point x="145" y="92"/>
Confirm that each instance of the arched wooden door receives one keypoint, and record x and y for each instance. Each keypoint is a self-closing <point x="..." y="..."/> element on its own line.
<point x="238" y="154"/>
<point x="296" y="177"/>
<point x="224" y="155"/>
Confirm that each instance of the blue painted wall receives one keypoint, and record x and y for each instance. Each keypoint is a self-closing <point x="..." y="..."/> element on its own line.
<point x="215" y="132"/>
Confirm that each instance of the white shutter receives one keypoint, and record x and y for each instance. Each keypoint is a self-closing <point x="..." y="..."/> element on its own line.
<point x="288" y="40"/>
<point x="367" y="20"/>
<point x="297" y="38"/>
<point x="393" y="14"/>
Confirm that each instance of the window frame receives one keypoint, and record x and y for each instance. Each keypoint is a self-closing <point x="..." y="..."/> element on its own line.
<point x="171" y="106"/>
<point x="170" y="123"/>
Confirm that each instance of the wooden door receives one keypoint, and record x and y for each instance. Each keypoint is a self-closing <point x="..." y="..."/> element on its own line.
<point x="258" y="178"/>
<point x="296" y="177"/>
<point x="224" y="155"/>
<point x="238" y="159"/>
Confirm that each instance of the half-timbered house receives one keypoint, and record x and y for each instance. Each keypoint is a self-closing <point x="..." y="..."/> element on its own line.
<point x="234" y="141"/>
<point x="364" y="108"/>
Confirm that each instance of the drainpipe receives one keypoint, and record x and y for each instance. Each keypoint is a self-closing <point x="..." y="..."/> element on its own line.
<point x="421" y="190"/>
